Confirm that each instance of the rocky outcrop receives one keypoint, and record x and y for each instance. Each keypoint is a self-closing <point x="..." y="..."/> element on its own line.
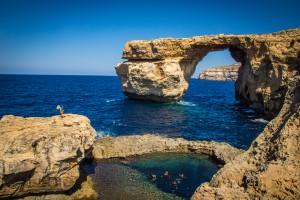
<point x="222" y="73"/>
<point x="85" y="192"/>
<point x="39" y="155"/>
<point x="270" y="168"/>
<point x="161" y="69"/>
<point x="125" y="146"/>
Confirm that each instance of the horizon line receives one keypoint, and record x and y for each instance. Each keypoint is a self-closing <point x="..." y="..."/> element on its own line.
<point x="57" y="74"/>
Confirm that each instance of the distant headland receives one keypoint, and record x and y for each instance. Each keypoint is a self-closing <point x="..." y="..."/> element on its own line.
<point x="220" y="73"/>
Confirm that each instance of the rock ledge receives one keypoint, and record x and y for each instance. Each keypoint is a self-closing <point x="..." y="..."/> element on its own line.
<point x="112" y="147"/>
<point x="39" y="155"/>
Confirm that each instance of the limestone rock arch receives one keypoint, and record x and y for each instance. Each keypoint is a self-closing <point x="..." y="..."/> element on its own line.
<point x="160" y="70"/>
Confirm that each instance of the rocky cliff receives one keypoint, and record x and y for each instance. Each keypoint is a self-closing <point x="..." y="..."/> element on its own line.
<point x="42" y="154"/>
<point x="221" y="73"/>
<point x="270" y="168"/>
<point x="268" y="81"/>
<point x="161" y="69"/>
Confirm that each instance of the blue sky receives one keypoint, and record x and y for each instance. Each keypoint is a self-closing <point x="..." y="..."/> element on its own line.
<point x="87" y="37"/>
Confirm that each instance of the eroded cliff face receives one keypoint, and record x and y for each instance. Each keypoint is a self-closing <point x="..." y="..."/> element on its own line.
<point x="42" y="154"/>
<point x="270" y="168"/>
<point x="161" y="69"/>
<point x="221" y="73"/>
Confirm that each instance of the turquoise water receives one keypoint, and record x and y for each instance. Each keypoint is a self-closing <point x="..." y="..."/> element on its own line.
<point x="143" y="177"/>
<point x="185" y="171"/>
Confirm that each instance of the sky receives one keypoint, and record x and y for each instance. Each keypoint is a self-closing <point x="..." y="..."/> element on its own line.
<point x="81" y="37"/>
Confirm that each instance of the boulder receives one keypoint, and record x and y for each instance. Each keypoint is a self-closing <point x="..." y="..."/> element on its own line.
<point x="42" y="155"/>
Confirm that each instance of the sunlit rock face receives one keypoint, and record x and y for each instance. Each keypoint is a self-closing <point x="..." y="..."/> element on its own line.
<point x="42" y="155"/>
<point x="268" y="81"/>
<point x="163" y="81"/>
<point x="117" y="147"/>
<point x="269" y="169"/>
<point x="160" y="70"/>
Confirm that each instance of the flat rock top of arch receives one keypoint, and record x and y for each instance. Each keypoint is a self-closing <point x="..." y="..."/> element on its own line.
<point x="187" y="48"/>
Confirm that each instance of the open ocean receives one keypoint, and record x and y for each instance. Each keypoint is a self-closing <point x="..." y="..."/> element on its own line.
<point x="208" y="111"/>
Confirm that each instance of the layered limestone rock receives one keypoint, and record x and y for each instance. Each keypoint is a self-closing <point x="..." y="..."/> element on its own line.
<point x="270" y="168"/>
<point x="221" y="73"/>
<point x="161" y="69"/>
<point x="40" y="155"/>
<point x="125" y="146"/>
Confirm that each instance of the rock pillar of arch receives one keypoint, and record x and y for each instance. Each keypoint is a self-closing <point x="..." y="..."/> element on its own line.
<point x="160" y="70"/>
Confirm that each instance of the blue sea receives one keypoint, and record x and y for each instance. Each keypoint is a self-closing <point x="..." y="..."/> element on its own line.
<point x="208" y="111"/>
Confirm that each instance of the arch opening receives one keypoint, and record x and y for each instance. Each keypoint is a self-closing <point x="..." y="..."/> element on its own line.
<point x="214" y="59"/>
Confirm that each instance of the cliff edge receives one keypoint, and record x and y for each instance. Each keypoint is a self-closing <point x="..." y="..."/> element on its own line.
<point x="39" y="155"/>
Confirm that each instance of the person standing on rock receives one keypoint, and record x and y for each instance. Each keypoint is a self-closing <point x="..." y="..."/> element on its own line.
<point x="61" y="110"/>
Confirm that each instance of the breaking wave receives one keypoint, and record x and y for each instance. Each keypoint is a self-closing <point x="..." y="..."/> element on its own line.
<point x="260" y="120"/>
<point x="101" y="134"/>
<point x="185" y="103"/>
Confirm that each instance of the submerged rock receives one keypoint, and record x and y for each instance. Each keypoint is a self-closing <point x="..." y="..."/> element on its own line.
<point x="110" y="147"/>
<point x="39" y="155"/>
<point x="221" y="73"/>
<point x="160" y="70"/>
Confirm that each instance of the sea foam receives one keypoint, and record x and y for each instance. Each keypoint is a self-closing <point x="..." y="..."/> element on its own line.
<point x="185" y="103"/>
<point x="101" y="134"/>
<point x="260" y="120"/>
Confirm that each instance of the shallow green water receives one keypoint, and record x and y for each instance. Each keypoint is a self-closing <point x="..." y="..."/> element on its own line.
<point x="143" y="177"/>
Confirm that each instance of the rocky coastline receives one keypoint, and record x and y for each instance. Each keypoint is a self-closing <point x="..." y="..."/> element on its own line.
<point x="160" y="70"/>
<point x="125" y="146"/>
<point x="221" y="73"/>
<point x="42" y="155"/>
<point x="270" y="168"/>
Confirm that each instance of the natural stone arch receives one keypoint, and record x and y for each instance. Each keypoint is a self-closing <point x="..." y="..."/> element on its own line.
<point x="160" y="70"/>
<point x="166" y="80"/>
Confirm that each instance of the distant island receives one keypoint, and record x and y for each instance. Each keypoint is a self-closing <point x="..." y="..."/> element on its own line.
<point x="220" y="73"/>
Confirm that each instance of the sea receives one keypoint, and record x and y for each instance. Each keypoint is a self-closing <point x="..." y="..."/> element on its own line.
<point x="208" y="111"/>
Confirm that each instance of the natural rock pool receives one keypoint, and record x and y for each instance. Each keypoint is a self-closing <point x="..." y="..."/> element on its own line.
<point x="145" y="177"/>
